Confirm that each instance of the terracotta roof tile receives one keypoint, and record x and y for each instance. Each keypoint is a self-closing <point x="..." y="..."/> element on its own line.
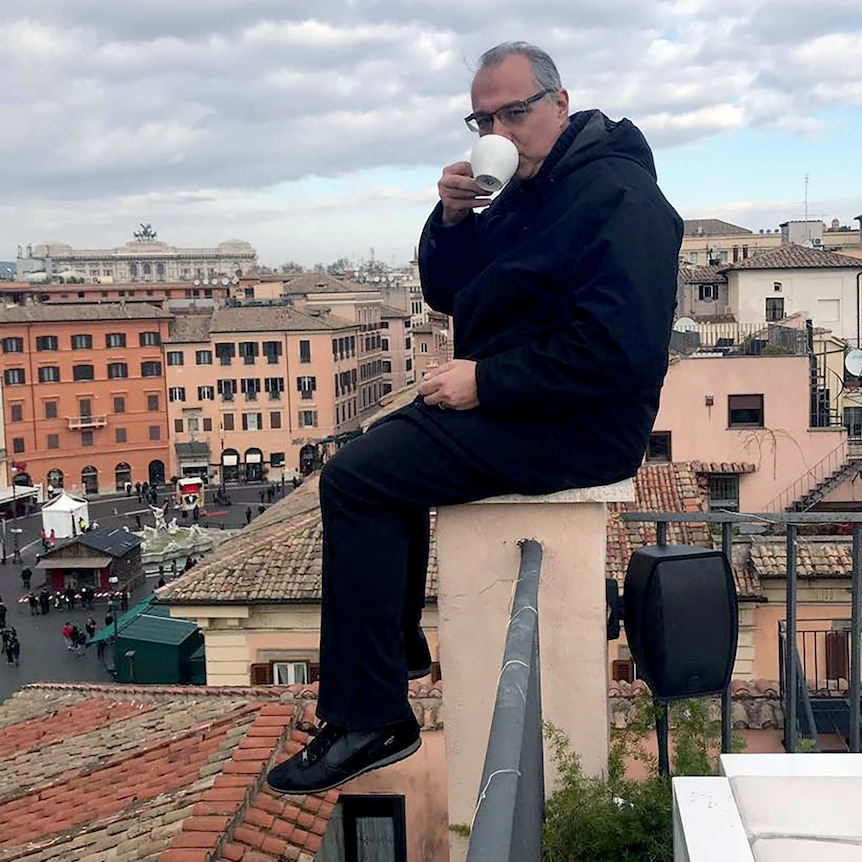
<point x="815" y="558"/>
<point x="792" y="256"/>
<point x="140" y="783"/>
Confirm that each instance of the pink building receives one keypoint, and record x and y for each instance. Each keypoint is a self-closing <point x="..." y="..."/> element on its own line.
<point x="748" y="419"/>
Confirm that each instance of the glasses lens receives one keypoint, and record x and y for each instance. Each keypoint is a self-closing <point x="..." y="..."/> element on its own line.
<point x="514" y="114"/>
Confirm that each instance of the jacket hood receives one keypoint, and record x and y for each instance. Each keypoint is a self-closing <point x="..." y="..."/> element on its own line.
<point x="591" y="135"/>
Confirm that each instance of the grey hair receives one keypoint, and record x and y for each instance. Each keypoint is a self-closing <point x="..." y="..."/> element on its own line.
<point x="544" y="69"/>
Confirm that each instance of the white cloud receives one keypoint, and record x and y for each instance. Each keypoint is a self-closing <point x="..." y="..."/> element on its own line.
<point x="126" y="111"/>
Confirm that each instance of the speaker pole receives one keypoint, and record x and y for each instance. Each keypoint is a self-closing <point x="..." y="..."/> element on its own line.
<point x="727" y="694"/>
<point x="661" y="733"/>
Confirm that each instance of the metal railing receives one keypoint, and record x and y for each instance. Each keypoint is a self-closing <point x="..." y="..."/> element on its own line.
<point x="507" y="823"/>
<point x="794" y="688"/>
<point x="811" y="478"/>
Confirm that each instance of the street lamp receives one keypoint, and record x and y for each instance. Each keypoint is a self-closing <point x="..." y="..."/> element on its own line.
<point x="16" y="551"/>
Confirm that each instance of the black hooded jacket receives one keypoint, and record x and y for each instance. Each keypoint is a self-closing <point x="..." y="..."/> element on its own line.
<point x="563" y="291"/>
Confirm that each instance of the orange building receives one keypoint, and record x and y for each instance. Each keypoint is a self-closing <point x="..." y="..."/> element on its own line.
<point x="252" y="389"/>
<point x="84" y="399"/>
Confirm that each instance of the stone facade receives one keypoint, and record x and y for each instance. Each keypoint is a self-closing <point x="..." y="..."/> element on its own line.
<point x="142" y="260"/>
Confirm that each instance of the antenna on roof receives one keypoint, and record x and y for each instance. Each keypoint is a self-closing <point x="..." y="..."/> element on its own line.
<point x="853" y="362"/>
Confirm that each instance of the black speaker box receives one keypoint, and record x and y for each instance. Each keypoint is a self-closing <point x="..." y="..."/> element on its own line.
<point x="681" y="619"/>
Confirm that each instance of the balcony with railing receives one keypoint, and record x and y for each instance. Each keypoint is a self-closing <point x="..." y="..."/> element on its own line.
<point x="819" y="672"/>
<point x="86" y="423"/>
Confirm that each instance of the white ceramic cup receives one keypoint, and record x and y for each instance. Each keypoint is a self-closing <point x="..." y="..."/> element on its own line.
<point x="494" y="161"/>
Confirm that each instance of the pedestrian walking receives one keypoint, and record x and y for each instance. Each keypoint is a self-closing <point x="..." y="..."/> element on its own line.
<point x="138" y="524"/>
<point x="79" y="642"/>
<point x="128" y="487"/>
<point x="69" y="595"/>
<point x="124" y="600"/>
<point x="67" y="634"/>
<point x="11" y="646"/>
<point x="248" y="514"/>
<point x="138" y="491"/>
<point x="26" y="576"/>
<point x="44" y="601"/>
<point x="2" y="614"/>
<point x="260" y="494"/>
<point x="90" y="628"/>
<point x="261" y="509"/>
<point x="52" y="538"/>
<point x="43" y="536"/>
<point x="34" y="604"/>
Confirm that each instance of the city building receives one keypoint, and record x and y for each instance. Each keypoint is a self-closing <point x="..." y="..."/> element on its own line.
<point x="359" y="303"/>
<point x="144" y="259"/>
<point x="795" y="279"/>
<point x="252" y="390"/>
<point x="432" y="345"/>
<point x="84" y="394"/>
<point x="397" y="346"/>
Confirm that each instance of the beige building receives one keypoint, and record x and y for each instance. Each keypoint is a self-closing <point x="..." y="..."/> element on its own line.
<point x="145" y="259"/>
<point x="252" y="390"/>
<point x="356" y="303"/>
<point x="713" y="242"/>
<point x="432" y="343"/>
<point x="397" y="346"/>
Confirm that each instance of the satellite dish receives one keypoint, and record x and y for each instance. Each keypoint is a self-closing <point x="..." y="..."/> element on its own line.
<point x="206" y="281"/>
<point x="196" y="282"/>
<point x="853" y="362"/>
<point x="225" y="281"/>
<point x="685" y="324"/>
<point x="234" y="280"/>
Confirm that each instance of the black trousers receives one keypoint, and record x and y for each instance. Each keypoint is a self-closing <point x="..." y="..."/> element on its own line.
<point x="375" y="494"/>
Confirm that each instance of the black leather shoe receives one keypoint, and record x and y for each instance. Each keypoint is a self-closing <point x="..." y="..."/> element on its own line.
<point x="337" y="755"/>
<point x="417" y="653"/>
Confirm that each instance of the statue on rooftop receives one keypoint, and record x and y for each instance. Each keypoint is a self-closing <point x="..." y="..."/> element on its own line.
<point x="145" y="234"/>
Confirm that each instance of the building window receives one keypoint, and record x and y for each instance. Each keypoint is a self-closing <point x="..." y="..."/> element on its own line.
<point x="692" y="257"/>
<point x="225" y="352"/>
<point x="707" y="292"/>
<point x="117" y="369"/>
<point x="177" y="393"/>
<point x="14" y="377"/>
<point x="226" y="388"/>
<point x="774" y="308"/>
<point x="53" y="441"/>
<point x="47" y="342"/>
<point x="208" y="424"/>
<point x="150" y="339"/>
<point x="276" y="459"/>
<point x="724" y="492"/>
<point x="248" y="351"/>
<point x="372" y="824"/>
<point x="85" y="407"/>
<point x="178" y="426"/>
<point x="83" y="372"/>
<point x="152" y="402"/>
<point x="203" y="357"/>
<point x="304" y="351"/>
<point x="776" y="286"/>
<point x="250" y="387"/>
<point x="18" y="445"/>
<point x="119" y="404"/>
<point x="275" y="419"/>
<point x="13" y="345"/>
<point x="82" y="342"/>
<point x="155" y="432"/>
<point x="423" y="347"/>
<point x="206" y="393"/>
<point x="658" y="446"/>
<point x="175" y="357"/>
<point x="50" y="409"/>
<point x="252" y="421"/>
<point x="408" y="365"/>
<point x="120" y="435"/>
<point x="16" y="412"/>
<point x="49" y="374"/>
<point x="151" y="369"/>
<point x="386" y="366"/>
<point x="115" y="339"/>
<point x="745" y="411"/>
<point x="193" y="424"/>
<point x="86" y="438"/>
<point x="384" y="344"/>
<point x="306" y="386"/>
<point x="227" y="421"/>
<point x="307" y="418"/>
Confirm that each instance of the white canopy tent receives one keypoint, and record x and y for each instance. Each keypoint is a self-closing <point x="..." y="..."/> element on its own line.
<point x="64" y="511"/>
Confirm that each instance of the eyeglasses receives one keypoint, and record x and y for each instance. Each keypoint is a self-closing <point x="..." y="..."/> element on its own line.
<point x="509" y="115"/>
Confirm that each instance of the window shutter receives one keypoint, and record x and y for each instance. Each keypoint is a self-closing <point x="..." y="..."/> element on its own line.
<point x="313" y="672"/>
<point x="261" y="674"/>
<point x="837" y="655"/>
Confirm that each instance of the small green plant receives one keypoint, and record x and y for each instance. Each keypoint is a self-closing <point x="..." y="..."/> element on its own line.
<point x="462" y="829"/>
<point x="618" y="819"/>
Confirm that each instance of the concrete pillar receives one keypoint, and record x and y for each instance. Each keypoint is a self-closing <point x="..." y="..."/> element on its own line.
<point x="477" y="563"/>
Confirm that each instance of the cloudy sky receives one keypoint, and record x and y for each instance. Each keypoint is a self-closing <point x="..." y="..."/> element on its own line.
<point x="318" y="130"/>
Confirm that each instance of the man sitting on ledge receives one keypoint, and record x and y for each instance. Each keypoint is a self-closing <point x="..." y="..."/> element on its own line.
<point x="562" y="295"/>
